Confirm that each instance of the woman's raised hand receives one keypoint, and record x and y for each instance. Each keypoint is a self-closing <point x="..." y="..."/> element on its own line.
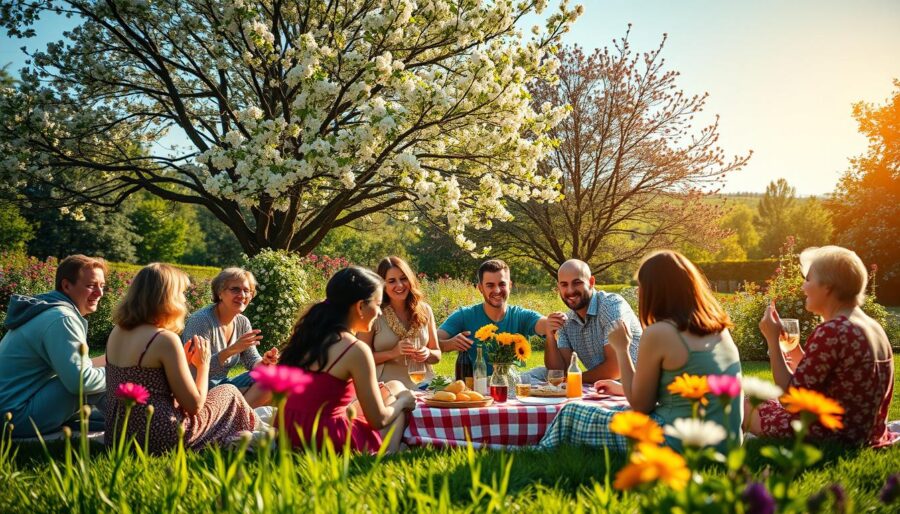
<point x="409" y="349"/>
<point x="198" y="351"/>
<point x="620" y="336"/>
<point x="251" y="338"/>
<point x="770" y="324"/>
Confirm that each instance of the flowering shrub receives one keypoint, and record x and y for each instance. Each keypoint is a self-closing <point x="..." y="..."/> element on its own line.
<point x="784" y="287"/>
<point x="281" y="293"/>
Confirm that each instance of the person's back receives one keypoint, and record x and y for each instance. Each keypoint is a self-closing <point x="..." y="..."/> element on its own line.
<point x="687" y="353"/>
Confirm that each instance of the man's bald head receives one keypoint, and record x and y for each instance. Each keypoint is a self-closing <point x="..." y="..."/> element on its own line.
<point x="575" y="284"/>
<point x="575" y="267"/>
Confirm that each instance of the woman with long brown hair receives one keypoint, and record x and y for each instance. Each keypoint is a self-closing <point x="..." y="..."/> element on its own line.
<point x="406" y="329"/>
<point x="685" y="332"/>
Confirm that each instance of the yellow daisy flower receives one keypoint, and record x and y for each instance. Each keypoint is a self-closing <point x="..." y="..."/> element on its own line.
<point x="692" y="387"/>
<point x="637" y="426"/>
<point x="486" y="332"/>
<point x="650" y="463"/>
<point x="829" y="412"/>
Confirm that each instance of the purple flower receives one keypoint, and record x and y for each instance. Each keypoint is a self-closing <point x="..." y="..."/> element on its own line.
<point x="840" y="498"/>
<point x="891" y="490"/>
<point x="758" y="499"/>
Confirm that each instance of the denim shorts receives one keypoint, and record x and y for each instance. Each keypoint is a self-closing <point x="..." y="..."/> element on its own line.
<point x="242" y="381"/>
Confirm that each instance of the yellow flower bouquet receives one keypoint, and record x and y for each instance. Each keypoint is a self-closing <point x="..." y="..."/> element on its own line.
<point x="503" y="346"/>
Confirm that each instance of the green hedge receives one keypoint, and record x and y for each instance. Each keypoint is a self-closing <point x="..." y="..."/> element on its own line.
<point x="742" y="271"/>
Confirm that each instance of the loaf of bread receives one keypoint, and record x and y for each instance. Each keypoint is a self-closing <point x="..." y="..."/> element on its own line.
<point x="445" y="396"/>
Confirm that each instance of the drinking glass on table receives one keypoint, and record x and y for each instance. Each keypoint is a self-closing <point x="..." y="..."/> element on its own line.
<point x="523" y="388"/>
<point x="555" y="377"/>
<point x="790" y="334"/>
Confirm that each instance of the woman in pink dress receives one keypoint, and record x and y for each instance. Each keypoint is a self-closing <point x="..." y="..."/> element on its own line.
<point x="324" y="345"/>
<point x="847" y="358"/>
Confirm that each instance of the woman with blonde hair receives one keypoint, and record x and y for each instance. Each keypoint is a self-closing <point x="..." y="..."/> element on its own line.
<point x="847" y="358"/>
<point x="144" y="348"/>
<point x="231" y="337"/>
<point x="685" y="332"/>
<point x="406" y="329"/>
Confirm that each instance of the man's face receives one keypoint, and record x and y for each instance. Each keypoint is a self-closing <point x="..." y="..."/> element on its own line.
<point x="495" y="287"/>
<point x="575" y="289"/>
<point x="85" y="293"/>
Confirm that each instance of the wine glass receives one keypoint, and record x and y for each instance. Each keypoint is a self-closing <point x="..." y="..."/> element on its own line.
<point x="556" y="377"/>
<point x="416" y="369"/>
<point x="790" y="334"/>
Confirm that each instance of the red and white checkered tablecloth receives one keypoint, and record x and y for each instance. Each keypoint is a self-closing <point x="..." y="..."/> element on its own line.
<point x="502" y="425"/>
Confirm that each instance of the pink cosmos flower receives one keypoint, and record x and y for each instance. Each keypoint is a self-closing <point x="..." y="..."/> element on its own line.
<point x="280" y="379"/>
<point x="133" y="392"/>
<point x="724" y="385"/>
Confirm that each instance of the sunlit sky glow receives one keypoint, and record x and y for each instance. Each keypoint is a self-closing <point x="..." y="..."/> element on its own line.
<point x="781" y="74"/>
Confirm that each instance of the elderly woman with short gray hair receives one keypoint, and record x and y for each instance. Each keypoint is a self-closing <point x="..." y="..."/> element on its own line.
<point x="230" y="334"/>
<point x="847" y="358"/>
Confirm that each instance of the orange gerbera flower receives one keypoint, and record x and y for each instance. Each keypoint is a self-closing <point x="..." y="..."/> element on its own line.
<point x="799" y="400"/>
<point x="486" y="332"/>
<point x="637" y="426"/>
<point x="505" y="338"/>
<point x="649" y="463"/>
<point x="523" y="349"/>
<point x="692" y="387"/>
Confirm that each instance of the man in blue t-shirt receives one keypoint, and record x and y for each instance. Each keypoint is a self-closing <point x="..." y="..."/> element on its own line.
<point x="457" y="332"/>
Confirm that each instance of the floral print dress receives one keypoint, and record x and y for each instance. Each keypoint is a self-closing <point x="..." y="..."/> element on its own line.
<point x="840" y="364"/>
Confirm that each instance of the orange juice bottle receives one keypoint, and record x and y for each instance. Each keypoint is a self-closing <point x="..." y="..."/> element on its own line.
<point x="573" y="378"/>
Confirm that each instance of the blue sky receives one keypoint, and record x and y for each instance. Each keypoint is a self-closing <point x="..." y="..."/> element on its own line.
<point x="781" y="74"/>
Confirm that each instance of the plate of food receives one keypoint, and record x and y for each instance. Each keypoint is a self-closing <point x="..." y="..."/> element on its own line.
<point x="538" y="400"/>
<point x="548" y="391"/>
<point x="457" y="396"/>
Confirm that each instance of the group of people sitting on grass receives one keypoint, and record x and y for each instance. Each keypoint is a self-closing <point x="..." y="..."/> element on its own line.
<point x="354" y="344"/>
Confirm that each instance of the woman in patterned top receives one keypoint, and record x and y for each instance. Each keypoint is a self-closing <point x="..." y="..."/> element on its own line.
<point x="144" y="348"/>
<point x="847" y="358"/>
<point x="406" y="327"/>
<point x="229" y="333"/>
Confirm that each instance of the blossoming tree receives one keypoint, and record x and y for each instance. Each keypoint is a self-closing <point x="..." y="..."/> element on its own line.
<point x="288" y="118"/>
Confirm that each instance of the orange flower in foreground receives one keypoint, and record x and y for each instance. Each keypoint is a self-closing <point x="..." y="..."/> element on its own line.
<point x="692" y="387"/>
<point x="649" y="463"/>
<point x="637" y="426"/>
<point x="829" y="412"/>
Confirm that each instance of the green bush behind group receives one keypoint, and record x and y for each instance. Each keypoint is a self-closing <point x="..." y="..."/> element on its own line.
<point x="288" y="282"/>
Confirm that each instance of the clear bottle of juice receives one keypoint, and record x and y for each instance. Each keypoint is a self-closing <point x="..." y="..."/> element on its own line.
<point x="573" y="378"/>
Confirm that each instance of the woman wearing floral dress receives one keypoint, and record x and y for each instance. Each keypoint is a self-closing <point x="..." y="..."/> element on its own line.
<point x="144" y="349"/>
<point x="847" y="358"/>
<point x="406" y="328"/>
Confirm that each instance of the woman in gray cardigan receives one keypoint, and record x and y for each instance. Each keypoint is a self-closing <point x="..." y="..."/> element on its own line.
<point x="230" y="335"/>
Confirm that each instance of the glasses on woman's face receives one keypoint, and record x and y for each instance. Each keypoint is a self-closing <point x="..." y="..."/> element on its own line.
<point x="239" y="290"/>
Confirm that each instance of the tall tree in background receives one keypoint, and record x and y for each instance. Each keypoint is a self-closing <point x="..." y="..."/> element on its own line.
<point x="635" y="171"/>
<point x="163" y="228"/>
<point x="866" y="202"/>
<point x="292" y="118"/>
<point x="773" y="216"/>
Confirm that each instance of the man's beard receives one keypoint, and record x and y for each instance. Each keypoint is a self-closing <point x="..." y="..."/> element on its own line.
<point x="583" y="301"/>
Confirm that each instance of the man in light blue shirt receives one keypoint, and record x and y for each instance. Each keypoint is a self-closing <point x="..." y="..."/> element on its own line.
<point x="494" y="283"/>
<point x="43" y="357"/>
<point x="592" y="316"/>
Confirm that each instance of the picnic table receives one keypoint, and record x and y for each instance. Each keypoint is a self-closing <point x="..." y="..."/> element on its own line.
<point x="501" y="425"/>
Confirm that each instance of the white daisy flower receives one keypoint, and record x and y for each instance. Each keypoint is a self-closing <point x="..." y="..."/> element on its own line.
<point x="760" y="389"/>
<point x="696" y="433"/>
